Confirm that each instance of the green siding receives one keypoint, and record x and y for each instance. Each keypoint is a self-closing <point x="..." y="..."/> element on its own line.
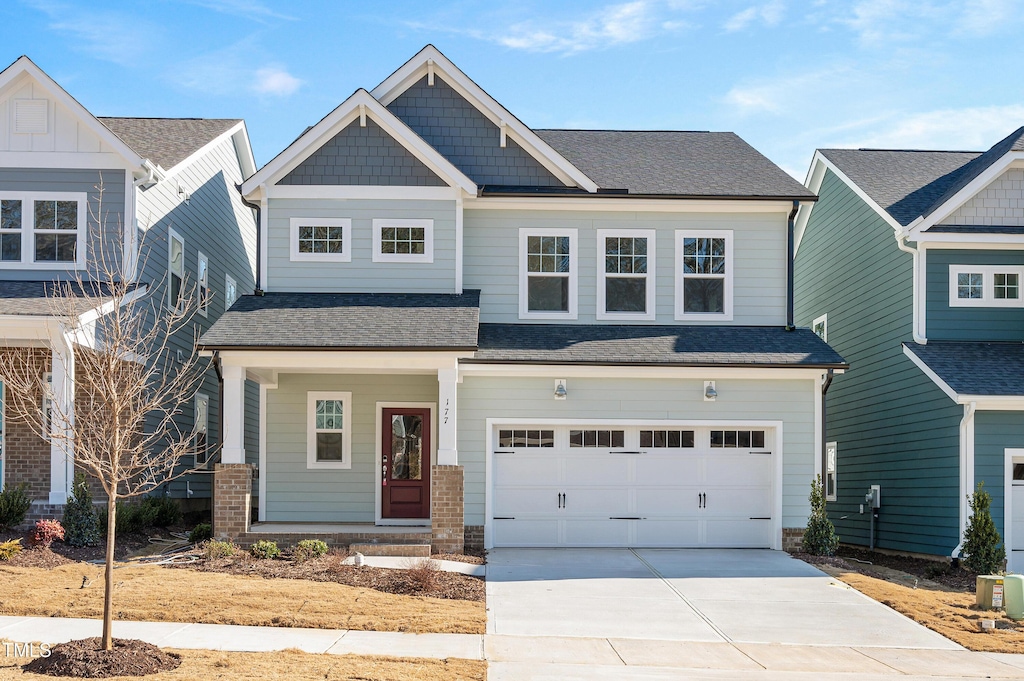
<point x="893" y="426"/>
<point x="969" y="323"/>
<point x="994" y="433"/>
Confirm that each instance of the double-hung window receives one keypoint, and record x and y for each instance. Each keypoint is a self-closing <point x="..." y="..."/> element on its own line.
<point x="175" y="269"/>
<point x="704" y="275"/>
<point x="547" y="273"/>
<point x="321" y="239"/>
<point x="626" y="283"/>
<point x="831" y="449"/>
<point x="203" y="279"/>
<point x="45" y="230"/>
<point x="986" y="286"/>
<point x="230" y="291"/>
<point x="403" y="240"/>
<point x="329" y="430"/>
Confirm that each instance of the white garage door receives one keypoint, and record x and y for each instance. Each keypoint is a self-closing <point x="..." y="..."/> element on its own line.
<point x="633" y="486"/>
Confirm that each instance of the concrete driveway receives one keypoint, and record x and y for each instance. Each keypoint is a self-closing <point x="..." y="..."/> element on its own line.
<point x="705" y="595"/>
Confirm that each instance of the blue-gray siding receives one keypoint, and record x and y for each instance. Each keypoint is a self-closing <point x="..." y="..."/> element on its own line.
<point x="994" y="433"/>
<point x="893" y="426"/>
<point x="466" y="137"/>
<point x="363" y="156"/>
<point x="969" y="323"/>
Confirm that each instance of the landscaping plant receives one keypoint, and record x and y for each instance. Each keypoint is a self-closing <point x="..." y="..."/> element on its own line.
<point x="264" y="549"/>
<point x="81" y="524"/>
<point x="14" y="504"/>
<point x="820" y="536"/>
<point x="46" y="532"/>
<point x="200" y="533"/>
<point x="983" y="549"/>
<point x="219" y="549"/>
<point x="307" y="549"/>
<point x="9" y="549"/>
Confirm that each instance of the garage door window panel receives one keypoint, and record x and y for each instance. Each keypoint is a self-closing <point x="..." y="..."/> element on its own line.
<point x="528" y="438"/>
<point x="597" y="438"/>
<point x="667" y="439"/>
<point x="744" y="439"/>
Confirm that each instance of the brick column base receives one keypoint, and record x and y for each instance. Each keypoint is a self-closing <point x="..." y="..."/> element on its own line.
<point x="232" y="496"/>
<point x="447" y="509"/>
<point x="792" y="539"/>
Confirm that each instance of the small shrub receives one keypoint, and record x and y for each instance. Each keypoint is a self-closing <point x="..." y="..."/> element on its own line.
<point x="218" y="549"/>
<point x="161" y="511"/>
<point x="308" y="549"/>
<point x="46" y="532"/>
<point x="820" y="536"/>
<point x="264" y="549"/>
<point x="423" y="574"/>
<point x="9" y="549"/>
<point x="81" y="526"/>
<point x="983" y="547"/>
<point x="200" y="533"/>
<point x="14" y="504"/>
<point x="938" y="570"/>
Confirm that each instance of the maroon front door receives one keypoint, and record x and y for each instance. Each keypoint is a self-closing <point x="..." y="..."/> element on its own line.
<point x="405" y="463"/>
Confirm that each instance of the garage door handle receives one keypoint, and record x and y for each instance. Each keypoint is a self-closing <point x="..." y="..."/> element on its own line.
<point x="626" y="517"/>
<point x="759" y="518"/>
<point x="499" y="517"/>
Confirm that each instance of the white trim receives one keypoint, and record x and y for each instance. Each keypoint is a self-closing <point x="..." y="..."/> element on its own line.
<point x="28" y="230"/>
<point x="1009" y="454"/>
<point x="967" y="241"/>
<point x="819" y="431"/>
<point x="584" y="371"/>
<point x="611" y="203"/>
<point x="264" y="227"/>
<point x="207" y="148"/>
<point x="823" y="320"/>
<point x="650" y="276"/>
<point x="1012" y="159"/>
<point x="379" y="224"/>
<point x="730" y="261"/>
<point x="171" y="237"/>
<point x="262" y="479"/>
<point x="342" y="361"/>
<point x="429" y="61"/>
<point x="130" y="254"/>
<point x="950" y="393"/>
<point x="572" y="275"/>
<point x="203" y="287"/>
<point x="370" y="192"/>
<point x="230" y="286"/>
<point x="336" y="121"/>
<point x="815" y="176"/>
<point x="379" y="445"/>
<point x="834" y="446"/>
<point x="346" y="430"/>
<point x="459" y="230"/>
<point x="988" y="298"/>
<point x="966" y="470"/>
<point x="65" y="159"/>
<point x="346" y="239"/>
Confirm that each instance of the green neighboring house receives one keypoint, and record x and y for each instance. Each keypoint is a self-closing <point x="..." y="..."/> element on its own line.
<point x="910" y="265"/>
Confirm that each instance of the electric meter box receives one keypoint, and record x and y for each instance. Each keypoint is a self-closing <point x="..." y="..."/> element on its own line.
<point x="990" y="592"/>
<point x="1013" y="596"/>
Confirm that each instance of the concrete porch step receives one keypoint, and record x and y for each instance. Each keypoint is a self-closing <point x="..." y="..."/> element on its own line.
<point x="392" y="550"/>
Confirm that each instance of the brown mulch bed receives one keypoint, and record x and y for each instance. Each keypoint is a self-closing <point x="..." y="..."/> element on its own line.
<point x="87" y="659"/>
<point x="942" y="572"/>
<point x="126" y="545"/>
<point x="471" y="558"/>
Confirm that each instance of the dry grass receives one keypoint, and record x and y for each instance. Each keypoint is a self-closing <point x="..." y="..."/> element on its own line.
<point x="941" y="609"/>
<point x="292" y="665"/>
<point x="150" y="593"/>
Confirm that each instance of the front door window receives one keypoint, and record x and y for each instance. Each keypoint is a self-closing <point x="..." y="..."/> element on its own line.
<point x="406" y="447"/>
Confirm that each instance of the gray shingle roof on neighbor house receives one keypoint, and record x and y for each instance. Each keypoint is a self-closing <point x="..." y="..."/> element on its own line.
<point x="39" y="298"/>
<point x="974" y="368"/>
<point x="358" y="321"/>
<point x="653" y="345"/>
<point x="674" y="163"/>
<point x="168" y="141"/>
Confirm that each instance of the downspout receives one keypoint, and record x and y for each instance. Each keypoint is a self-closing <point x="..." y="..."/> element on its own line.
<point x="824" y="432"/>
<point x="790" y="248"/>
<point x="966" y="469"/>
<point x="259" y="235"/>
<point x="917" y="332"/>
<point x="220" y="401"/>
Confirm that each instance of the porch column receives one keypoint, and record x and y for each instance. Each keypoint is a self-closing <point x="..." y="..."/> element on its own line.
<point x="447" y="492"/>
<point x="447" y="397"/>
<point x="62" y="396"/>
<point x="233" y="414"/>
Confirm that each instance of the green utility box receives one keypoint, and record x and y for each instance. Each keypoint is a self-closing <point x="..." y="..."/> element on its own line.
<point x="1013" y="596"/>
<point x="990" y="592"/>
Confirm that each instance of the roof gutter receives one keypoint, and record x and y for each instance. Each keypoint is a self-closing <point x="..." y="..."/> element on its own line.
<point x="824" y="430"/>
<point x="917" y="326"/>
<point x="790" y="255"/>
<point x="626" y="195"/>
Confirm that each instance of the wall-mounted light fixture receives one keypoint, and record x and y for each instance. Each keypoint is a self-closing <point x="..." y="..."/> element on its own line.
<point x="560" y="392"/>
<point x="709" y="391"/>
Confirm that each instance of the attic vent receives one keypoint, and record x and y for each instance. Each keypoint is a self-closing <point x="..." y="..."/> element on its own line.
<point x="30" y="116"/>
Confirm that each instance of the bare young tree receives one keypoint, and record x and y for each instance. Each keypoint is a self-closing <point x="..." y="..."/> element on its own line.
<point x="130" y="382"/>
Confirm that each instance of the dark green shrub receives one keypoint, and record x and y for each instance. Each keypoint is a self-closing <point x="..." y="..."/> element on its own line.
<point x="219" y="549"/>
<point x="200" y="533"/>
<point x="132" y="518"/>
<point x="308" y="549"/>
<point x="14" y="504"/>
<point x="820" y="536"/>
<point x="81" y="526"/>
<point x="161" y="511"/>
<point x="264" y="549"/>
<point x="983" y="547"/>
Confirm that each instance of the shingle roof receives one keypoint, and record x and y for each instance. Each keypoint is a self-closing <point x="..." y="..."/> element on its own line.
<point x="653" y="345"/>
<point x="972" y="368"/>
<point x="33" y="297"/>
<point x="904" y="183"/>
<point x="168" y="141"/>
<point x="654" y="162"/>
<point x="348" y="321"/>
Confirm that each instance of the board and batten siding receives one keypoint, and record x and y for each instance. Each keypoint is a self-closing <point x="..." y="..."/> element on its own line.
<point x="759" y="242"/>
<point x="529" y="399"/>
<point x="361" y="274"/>
<point x="103" y="215"/>
<point x="994" y="433"/>
<point x="969" y="323"/>
<point x="893" y="426"/>
<point x="298" y="494"/>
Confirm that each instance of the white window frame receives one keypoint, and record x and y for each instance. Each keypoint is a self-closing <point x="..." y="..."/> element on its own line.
<point x="28" y="249"/>
<point x="171" y="237"/>
<point x="730" y="263"/>
<point x="230" y="286"/>
<point x="200" y="397"/>
<point x="203" y="283"/>
<point x="346" y="431"/>
<point x="573" y="275"/>
<point x="602" y="275"/>
<point x="428" y="240"/>
<point x="988" y="282"/>
<point x="823" y="320"/>
<point x="346" y="239"/>
<point x="834" y="448"/>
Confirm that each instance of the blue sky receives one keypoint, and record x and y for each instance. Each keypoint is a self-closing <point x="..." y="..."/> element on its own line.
<point x="787" y="76"/>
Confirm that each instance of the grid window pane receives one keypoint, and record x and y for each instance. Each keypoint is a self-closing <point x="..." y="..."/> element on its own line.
<point x="625" y="295"/>
<point x="548" y="294"/>
<point x="10" y="214"/>
<point x="703" y="255"/>
<point x="52" y="247"/>
<point x="526" y="438"/>
<point x="329" y="447"/>
<point x="597" y="438"/>
<point x="547" y="254"/>
<point x="667" y="439"/>
<point x="329" y="415"/>
<point x="969" y="285"/>
<point x="10" y="247"/>
<point x="625" y="255"/>
<point x="321" y="239"/>
<point x="743" y="439"/>
<point x="1007" y="286"/>
<point x="403" y="240"/>
<point x="703" y="295"/>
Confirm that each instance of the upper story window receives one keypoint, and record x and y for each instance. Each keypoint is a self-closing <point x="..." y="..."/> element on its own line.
<point x="321" y="239"/>
<point x="403" y="240"/>
<point x="230" y="291"/>
<point x="986" y="286"/>
<point x="202" y="429"/>
<point x="175" y="268"/>
<point x="626" y="283"/>
<point x="704" y="274"/>
<point x="42" y="230"/>
<point x="203" y="279"/>
<point x="820" y="327"/>
<point x="547" y="273"/>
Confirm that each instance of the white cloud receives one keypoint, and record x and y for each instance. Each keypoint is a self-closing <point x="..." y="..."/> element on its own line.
<point x="983" y="17"/>
<point x="234" y="70"/>
<point x="275" y="81"/>
<point x="250" y="9"/>
<point x="770" y="14"/>
<point x="976" y="128"/>
<point x="776" y="95"/>
<point x="109" y="36"/>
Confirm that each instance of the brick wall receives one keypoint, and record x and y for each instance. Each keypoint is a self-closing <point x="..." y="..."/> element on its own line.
<point x="474" y="537"/>
<point x="447" y="509"/>
<point x="232" y="498"/>
<point x="792" y="538"/>
<point x="26" y="455"/>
